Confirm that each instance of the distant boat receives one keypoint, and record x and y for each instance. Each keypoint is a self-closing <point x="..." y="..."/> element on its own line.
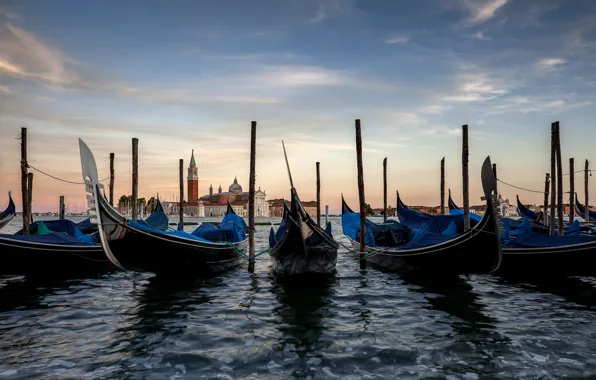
<point x="141" y="247"/>
<point x="9" y="213"/>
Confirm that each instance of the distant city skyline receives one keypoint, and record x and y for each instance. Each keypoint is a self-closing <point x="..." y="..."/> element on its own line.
<point x="185" y="75"/>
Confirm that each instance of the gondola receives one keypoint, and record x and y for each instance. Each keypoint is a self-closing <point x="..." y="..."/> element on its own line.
<point x="581" y="210"/>
<point x="300" y="246"/>
<point x="477" y="250"/>
<point x="61" y="249"/>
<point x="534" y="253"/>
<point x="9" y="213"/>
<point x="134" y="246"/>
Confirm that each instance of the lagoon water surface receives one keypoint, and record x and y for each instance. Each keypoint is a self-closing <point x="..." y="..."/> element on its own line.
<point x="370" y="325"/>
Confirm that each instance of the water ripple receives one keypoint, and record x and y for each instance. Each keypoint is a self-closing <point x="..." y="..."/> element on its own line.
<point x="354" y="325"/>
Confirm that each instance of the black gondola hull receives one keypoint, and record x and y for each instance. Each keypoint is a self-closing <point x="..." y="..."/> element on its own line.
<point x="19" y="257"/>
<point x="161" y="254"/>
<point x="578" y="260"/>
<point x="290" y="258"/>
<point x="304" y="248"/>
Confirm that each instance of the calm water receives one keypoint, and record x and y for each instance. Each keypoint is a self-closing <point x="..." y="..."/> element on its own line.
<point x="369" y="325"/>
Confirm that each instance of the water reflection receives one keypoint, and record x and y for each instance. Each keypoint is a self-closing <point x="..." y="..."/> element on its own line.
<point x="574" y="290"/>
<point x="474" y="334"/>
<point x="303" y="306"/>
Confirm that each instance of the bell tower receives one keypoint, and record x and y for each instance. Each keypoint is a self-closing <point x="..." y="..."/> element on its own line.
<point x="193" y="180"/>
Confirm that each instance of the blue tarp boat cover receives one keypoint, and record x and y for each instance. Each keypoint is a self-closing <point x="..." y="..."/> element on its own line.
<point x="473" y="217"/>
<point x="418" y="238"/>
<point x="416" y="219"/>
<point x="63" y="232"/>
<point x="230" y="231"/>
<point x="158" y="219"/>
<point x="534" y="239"/>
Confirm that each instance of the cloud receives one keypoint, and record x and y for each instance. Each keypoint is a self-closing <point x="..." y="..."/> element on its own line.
<point x="23" y="55"/>
<point x="551" y="63"/>
<point x="300" y="76"/>
<point x="331" y="8"/>
<point x="397" y="40"/>
<point x="481" y="36"/>
<point x="543" y="104"/>
<point x="4" y="89"/>
<point x="477" y="87"/>
<point x="482" y="10"/>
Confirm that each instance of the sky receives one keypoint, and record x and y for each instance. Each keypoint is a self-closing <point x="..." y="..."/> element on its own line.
<point x="183" y="75"/>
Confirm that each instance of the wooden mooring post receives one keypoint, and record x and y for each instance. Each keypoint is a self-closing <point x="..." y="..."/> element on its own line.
<point x="112" y="179"/>
<point x="385" y="189"/>
<point x="318" y="194"/>
<point x="553" y="178"/>
<point x="546" y="187"/>
<point x="495" y="175"/>
<point x="326" y="214"/>
<point x="181" y="205"/>
<point x="466" y="185"/>
<point x="61" y="209"/>
<point x="24" y="193"/>
<point x="559" y="180"/>
<point x="251" y="197"/>
<point x="135" y="178"/>
<point x="443" y="186"/>
<point x="30" y="196"/>
<point x="361" y="196"/>
<point x="571" y="190"/>
<point x="586" y="193"/>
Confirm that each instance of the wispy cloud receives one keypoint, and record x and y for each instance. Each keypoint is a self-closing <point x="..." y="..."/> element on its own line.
<point x="481" y="36"/>
<point x="23" y="55"/>
<point x="482" y="10"/>
<point x="476" y="87"/>
<point x="4" y="89"/>
<point x="551" y="63"/>
<point x="331" y="8"/>
<point x="397" y="40"/>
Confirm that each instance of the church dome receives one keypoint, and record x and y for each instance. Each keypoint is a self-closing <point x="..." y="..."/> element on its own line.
<point x="235" y="187"/>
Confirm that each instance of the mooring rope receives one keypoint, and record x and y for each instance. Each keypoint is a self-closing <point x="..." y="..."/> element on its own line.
<point x="520" y="188"/>
<point x="60" y="179"/>
<point x="240" y="253"/>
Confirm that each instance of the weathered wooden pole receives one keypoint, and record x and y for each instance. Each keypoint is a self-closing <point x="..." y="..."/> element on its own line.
<point x="24" y="193"/>
<point x="111" y="179"/>
<point x="546" y="187"/>
<point x="135" y="178"/>
<point x="443" y="186"/>
<point x="495" y="175"/>
<point x="571" y="190"/>
<point x="385" y="189"/>
<point x="30" y="196"/>
<point x="586" y="193"/>
<point x="361" y="195"/>
<point x="61" y="210"/>
<point x="559" y="180"/>
<point x="251" y="197"/>
<point x="181" y="206"/>
<point x="466" y="185"/>
<point x="326" y="214"/>
<point x="553" y="178"/>
<point x="318" y="195"/>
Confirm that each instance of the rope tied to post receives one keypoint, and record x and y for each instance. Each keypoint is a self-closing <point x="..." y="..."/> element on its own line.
<point x="60" y="179"/>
